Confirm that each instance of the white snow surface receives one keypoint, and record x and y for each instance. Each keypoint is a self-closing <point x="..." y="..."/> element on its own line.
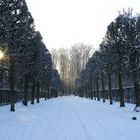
<point x="70" y="118"/>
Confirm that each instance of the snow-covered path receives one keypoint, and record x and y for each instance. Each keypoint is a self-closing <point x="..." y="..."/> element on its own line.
<point x="69" y="118"/>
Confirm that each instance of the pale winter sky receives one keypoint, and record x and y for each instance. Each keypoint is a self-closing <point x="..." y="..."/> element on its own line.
<point x="65" y="22"/>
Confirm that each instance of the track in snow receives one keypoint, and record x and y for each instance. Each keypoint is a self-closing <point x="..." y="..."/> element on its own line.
<point x="69" y="118"/>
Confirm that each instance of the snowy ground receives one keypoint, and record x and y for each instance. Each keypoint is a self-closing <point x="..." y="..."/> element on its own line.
<point x="70" y="118"/>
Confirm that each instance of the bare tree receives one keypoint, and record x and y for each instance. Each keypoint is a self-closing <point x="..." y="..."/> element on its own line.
<point x="54" y="53"/>
<point x="63" y="59"/>
<point x="70" y="63"/>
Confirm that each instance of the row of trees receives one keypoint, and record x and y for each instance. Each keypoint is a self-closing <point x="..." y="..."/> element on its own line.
<point x="117" y="60"/>
<point x="70" y="62"/>
<point x="28" y="61"/>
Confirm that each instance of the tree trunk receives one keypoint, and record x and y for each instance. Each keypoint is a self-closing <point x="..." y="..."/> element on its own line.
<point x="48" y="92"/>
<point x="1" y="78"/>
<point x="94" y="92"/>
<point x="1" y="101"/>
<point x="103" y="87"/>
<point x="91" y="95"/>
<point x="38" y="94"/>
<point x="45" y="94"/>
<point x="1" y="85"/>
<point x="33" y="91"/>
<point x="136" y="90"/>
<point x="86" y="90"/>
<point x="26" y="89"/>
<point x="109" y="88"/>
<point x="12" y="84"/>
<point x="122" y="104"/>
<point x="97" y="90"/>
<point x="135" y="78"/>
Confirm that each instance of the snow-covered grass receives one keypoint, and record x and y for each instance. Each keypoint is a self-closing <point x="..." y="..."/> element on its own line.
<point x="70" y="118"/>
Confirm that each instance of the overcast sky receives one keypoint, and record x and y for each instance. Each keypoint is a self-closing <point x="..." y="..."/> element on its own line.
<point x="65" y="22"/>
